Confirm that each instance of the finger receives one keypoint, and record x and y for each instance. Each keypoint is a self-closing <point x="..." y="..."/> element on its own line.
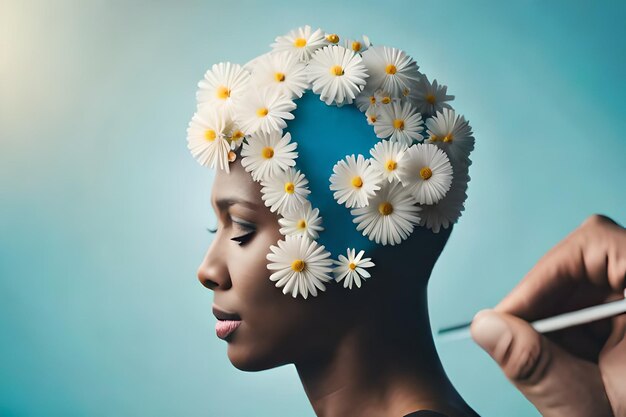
<point x="539" y="368"/>
<point x="581" y="270"/>
<point x="612" y="364"/>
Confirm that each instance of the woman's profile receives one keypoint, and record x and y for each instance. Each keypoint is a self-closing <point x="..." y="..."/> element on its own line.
<point x="333" y="206"/>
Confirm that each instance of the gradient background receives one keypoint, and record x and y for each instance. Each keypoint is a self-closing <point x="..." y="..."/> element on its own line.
<point x="103" y="211"/>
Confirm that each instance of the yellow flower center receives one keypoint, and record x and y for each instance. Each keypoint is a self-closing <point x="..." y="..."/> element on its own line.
<point x="290" y="188"/>
<point x="301" y="224"/>
<point x="426" y="173"/>
<point x="332" y="38"/>
<point x="430" y="98"/>
<point x="391" y="165"/>
<point x="356" y="46"/>
<point x="357" y="182"/>
<point x="391" y="69"/>
<point x="210" y="135"/>
<point x="222" y="92"/>
<point x="398" y="124"/>
<point x="238" y="134"/>
<point x="406" y="92"/>
<point x="448" y="138"/>
<point x="373" y="119"/>
<point x="262" y="112"/>
<point x="280" y="77"/>
<point x="385" y="208"/>
<point x="299" y="43"/>
<point x="336" y="70"/>
<point x="373" y="100"/>
<point x="352" y="266"/>
<point x="267" y="152"/>
<point x="434" y="138"/>
<point x="386" y="100"/>
<point x="298" y="265"/>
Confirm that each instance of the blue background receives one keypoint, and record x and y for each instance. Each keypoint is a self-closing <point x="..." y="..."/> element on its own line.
<point x="103" y="211"/>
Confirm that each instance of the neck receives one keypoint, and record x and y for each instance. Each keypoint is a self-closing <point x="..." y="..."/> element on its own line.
<point x="386" y="366"/>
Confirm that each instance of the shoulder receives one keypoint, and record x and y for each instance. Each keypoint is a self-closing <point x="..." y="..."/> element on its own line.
<point x="425" y="413"/>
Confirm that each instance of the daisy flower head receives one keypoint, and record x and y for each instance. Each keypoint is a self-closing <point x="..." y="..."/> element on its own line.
<point x="453" y="134"/>
<point x="301" y="42"/>
<point x="301" y="266"/>
<point x="336" y="74"/>
<point x="399" y="122"/>
<point x="285" y="191"/>
<point x="352" y="268"/>
<point x="264" y="110"/>
<point x="358" y="45"/>
<point x="390" y="216"/>
<point x="223" y="86"/>
<point x="390" y="69"/>
<point x="206" y="140"/>
<point x="354" y="181"/>
<point x="281" y="71"/>
<point x="234" y="134"/>
<point x="267" y="154"/>
<point x="332" y="38"/>
<point x="387" y="157"/>
<point x="303" y="221"/>
<point x="373" y="115"/>
<point x="430" y="98"/>
<point x="448" y="210"/>
<point x="426" y="173"/>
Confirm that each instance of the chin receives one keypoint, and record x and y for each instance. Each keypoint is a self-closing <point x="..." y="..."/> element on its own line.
<point x="251" y="359"/>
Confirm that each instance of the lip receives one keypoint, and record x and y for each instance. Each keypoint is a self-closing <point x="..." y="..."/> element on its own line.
<point x="224" y="315"/>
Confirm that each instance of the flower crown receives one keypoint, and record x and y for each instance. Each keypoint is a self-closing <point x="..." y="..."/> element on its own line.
<point x="413" y="177"/>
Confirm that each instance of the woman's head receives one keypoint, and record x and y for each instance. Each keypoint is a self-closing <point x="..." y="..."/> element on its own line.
<point x="276" y="328"/>
<point x="290" y="164"/>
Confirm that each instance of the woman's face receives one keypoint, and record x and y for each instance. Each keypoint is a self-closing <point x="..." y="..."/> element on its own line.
<point x="275" y="328"/>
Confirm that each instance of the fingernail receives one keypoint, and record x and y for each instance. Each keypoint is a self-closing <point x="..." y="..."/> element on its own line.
<point x="488" y="328"/>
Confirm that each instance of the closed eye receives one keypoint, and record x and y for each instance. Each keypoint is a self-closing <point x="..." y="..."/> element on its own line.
<point x="248" y="229"/>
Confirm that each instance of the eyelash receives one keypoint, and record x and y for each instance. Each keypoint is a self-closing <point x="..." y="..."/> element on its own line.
<point x="241" y="239"/>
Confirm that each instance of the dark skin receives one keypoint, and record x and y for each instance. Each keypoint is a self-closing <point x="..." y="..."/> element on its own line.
<point x="361" y="352"/>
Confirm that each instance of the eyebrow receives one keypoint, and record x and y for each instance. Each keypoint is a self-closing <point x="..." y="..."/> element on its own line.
<point x="224" y="203"/>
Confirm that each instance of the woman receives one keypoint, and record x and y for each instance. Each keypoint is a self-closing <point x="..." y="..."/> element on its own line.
<point x="361" y="342"/>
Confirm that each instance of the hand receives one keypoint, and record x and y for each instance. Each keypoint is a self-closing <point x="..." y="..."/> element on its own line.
<point x="576" y="372"/>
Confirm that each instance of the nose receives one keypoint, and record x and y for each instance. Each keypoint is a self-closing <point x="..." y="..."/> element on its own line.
<point x="213" y="271"/>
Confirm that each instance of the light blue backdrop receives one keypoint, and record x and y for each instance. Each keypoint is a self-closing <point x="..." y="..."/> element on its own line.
<point x="103" y="211"/>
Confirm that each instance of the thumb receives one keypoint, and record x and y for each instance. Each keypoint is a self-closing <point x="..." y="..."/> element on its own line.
<point x="612" y="363"/>
<point x="557" y="383"/>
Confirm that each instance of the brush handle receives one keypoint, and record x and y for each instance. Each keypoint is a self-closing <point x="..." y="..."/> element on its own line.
<point x="550" y="324"/>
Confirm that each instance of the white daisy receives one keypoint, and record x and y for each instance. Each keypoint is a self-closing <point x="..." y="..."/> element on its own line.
<point x="352" y="268"/>
<point x="390" y="69"/>
<point x="399" y="122"/>
<point x="234" y="134"/>
<point x="301" y="42"/>
<point x="302" y="266"/>
<point x="430" y="98"/>
<point x="336" y="74"/>
<point x="285" y="191"/>
<point x="354" y="181"/>
<point x="223" y="86"/>
<point x="387" y="158"/>
<point x="357" y="45"/>
<point x="448" y="210"/>
<point x="281" y="71"/>
<point x="373" y="115"/>
<point x="426" y="173"/>
<point x="264" y="110"/>
<point x="267" y="154"/>
<point x="206" y="139"/>
<point x="305" y="220"/>
<point x="365" y="100"/>
<point x="390" y="216"/>
<point x="453" y="134"/>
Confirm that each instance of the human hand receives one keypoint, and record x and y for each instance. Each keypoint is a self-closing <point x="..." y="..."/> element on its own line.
<point x="576" y="372"/>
